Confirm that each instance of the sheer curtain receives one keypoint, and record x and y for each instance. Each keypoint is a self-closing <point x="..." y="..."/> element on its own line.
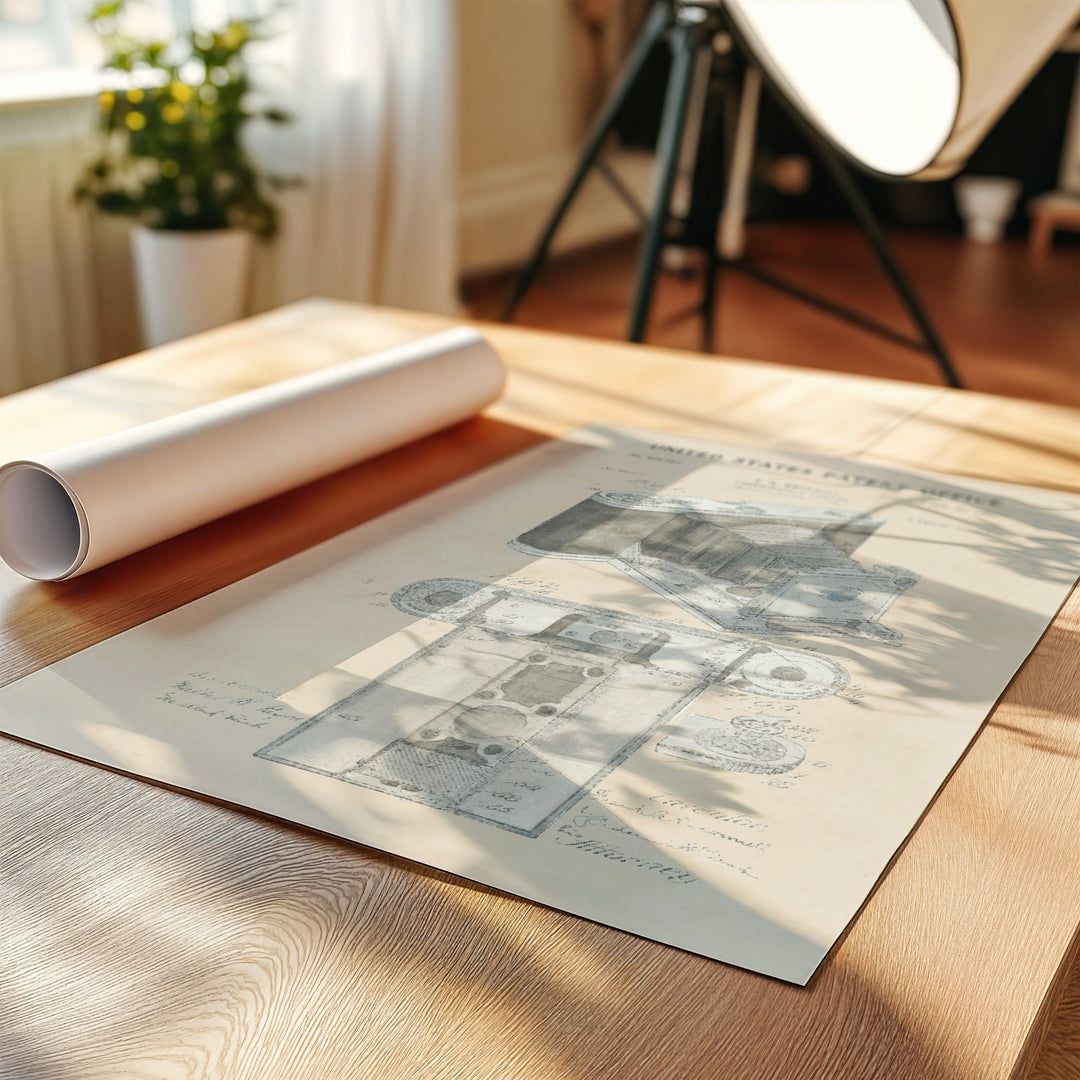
<point x="47" y="323"/>
<point x="372" y="86"/>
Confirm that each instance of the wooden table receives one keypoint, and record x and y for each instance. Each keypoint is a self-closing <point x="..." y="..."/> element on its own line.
<point x="150" y="934"/>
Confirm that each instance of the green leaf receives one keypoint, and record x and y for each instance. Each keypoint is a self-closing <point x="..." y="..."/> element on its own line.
<point x="192" y="172"/>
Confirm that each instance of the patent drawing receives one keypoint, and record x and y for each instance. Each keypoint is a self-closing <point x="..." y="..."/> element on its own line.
<point x="747" y="744"/>
<point x="526" y="701"/>
<point x="748" y="567"/>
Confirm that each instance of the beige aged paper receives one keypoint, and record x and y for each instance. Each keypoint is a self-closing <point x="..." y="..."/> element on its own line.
<point x="695" y="692"/>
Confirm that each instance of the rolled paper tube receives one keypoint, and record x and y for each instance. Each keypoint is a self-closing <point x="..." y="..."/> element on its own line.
<point x="70" y="511"/>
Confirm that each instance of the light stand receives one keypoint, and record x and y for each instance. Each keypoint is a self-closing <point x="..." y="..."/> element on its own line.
<point x="690" y="27"/>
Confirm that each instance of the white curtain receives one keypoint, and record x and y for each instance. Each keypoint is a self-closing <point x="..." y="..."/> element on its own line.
<point x="49" y="322"/>
<point x="372" y="87"/>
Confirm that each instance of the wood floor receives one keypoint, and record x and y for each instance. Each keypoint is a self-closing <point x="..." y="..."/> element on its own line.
<point x="1010" y="320"/>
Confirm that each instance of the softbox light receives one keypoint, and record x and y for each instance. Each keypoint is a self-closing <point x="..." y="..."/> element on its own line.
<point x="906" y="88"/>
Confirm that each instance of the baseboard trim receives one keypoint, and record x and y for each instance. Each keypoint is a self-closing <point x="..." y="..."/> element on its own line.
<point x="503" y="209"/>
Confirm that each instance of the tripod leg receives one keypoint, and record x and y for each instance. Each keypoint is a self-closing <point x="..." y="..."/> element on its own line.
<point x="652" y="31"/>
<point x="739" y="131"/>
<point x="683" y="193"/>
<point x="731" y="233"/>
<point x="709" y="302"/>
<point x="685" y="40"/>
<point x="714" y="197"/>
<point x="869" y="223"/>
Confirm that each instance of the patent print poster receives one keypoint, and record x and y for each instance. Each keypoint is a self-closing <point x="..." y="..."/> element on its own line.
<point x="692" y="691"/>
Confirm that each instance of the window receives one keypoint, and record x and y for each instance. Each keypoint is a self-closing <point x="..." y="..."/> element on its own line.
<point x="47" y="51"/>
<point x="36" y="35"/>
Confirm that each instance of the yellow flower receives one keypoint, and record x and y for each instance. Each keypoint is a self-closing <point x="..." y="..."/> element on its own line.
<point x="172" y="113"/>
<point x="181" y="92"/>
<point x="169" y="169"/>
<point x="106" y="100"/>
<point x="135" y="96"/>
<point x="233" y="36"/>
<point x="135" y="121"/>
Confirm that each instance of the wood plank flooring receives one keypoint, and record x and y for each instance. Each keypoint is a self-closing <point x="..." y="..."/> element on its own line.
<point x="1010" y="319"/>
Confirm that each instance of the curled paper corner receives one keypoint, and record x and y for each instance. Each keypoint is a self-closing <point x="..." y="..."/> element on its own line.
<point x="44" y="534"/>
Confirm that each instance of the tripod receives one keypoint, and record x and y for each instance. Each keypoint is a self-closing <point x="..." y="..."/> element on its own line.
<point x="690" y="27"/>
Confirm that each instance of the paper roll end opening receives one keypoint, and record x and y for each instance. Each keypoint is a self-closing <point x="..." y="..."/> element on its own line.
<point x="40" y="527"/>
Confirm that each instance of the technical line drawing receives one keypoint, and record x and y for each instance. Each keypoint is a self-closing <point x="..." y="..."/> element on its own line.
<point x="748" y="744"/>
<point x="748" y="567"/>
<point x="527" y="701"/>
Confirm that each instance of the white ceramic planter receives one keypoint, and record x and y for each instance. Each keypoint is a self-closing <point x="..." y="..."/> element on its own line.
<point x="189" y="281"/>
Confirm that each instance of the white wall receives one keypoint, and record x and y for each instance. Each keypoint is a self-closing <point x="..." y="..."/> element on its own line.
<point x="526" y="95"/>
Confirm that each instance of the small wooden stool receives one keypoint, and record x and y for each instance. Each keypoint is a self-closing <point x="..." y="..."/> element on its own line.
<point x="1049" y="212"/>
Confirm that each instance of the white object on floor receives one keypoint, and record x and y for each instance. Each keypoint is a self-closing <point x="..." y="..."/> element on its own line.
<point x="986" y="203"/>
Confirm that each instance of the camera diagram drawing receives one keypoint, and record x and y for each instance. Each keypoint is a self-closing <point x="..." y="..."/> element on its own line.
<point x="747" y="567"/>
<point x="526" y="701"/>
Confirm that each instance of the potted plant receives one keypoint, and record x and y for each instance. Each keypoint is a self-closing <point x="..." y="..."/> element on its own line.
<point x="172" y="158"/>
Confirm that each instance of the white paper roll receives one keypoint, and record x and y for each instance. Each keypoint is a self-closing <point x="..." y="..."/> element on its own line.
<point x="69" y="511"/>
